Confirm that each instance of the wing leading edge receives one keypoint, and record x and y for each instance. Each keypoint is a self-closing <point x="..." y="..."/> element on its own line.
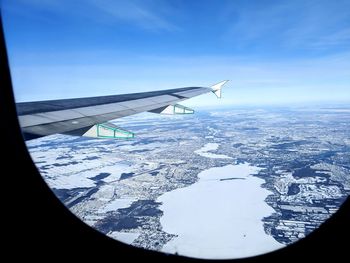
<point x="89" y="116"/>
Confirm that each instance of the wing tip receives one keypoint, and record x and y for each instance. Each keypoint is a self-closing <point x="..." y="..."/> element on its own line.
<point x="219" y="85"/>
<point x="216" y="88"/>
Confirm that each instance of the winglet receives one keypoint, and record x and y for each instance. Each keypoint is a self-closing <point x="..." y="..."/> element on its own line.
<point x="216" y="89"/>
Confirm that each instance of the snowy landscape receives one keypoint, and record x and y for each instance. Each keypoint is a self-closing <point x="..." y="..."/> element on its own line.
<point x="218" y="184"/>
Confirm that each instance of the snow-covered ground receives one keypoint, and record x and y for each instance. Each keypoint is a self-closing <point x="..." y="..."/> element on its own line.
<point x="220" y="216"/>
<point x="125" y="237"/>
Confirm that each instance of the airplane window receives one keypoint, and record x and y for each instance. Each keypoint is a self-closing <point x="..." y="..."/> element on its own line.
<point x="128" y="115"/>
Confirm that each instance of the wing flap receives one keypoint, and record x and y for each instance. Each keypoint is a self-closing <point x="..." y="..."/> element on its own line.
<point x="108" y="131"/>
<point x="173" y="109"/>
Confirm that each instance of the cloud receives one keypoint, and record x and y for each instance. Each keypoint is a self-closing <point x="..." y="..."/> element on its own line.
<point x="336" y="39"/>
<point x="152" y="15"/>
<point x="141" y="13"/>
<point x="291" y="24"/>
<point x="104" y="68"/>
<point x="254" y="22"/>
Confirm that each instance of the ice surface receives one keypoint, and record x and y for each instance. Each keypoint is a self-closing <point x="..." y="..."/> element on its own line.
<point x="125" y="237"/>
<point x="116" y="204"/>
<point x="219" y="219"/>
<point x="204" y="151"/>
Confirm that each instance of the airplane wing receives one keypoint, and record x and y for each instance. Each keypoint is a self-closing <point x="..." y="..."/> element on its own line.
<point x="90" y="116"/>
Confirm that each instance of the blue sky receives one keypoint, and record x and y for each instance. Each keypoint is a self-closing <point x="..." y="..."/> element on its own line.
<point x="274" y="52"/>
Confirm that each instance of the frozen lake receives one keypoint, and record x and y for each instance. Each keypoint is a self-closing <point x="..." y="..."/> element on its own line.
<point x="220" y="216"/>
<point x="207" y="151"/>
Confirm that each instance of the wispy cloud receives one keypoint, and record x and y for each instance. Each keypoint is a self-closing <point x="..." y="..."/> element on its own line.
<point x="92" y="48"/>
<point x="142" y="13"/>
<point x="293" y="24"/>
<point x="152" y="15"/>
<point x="338" y="38"/>
<point x="252" y="23"/>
